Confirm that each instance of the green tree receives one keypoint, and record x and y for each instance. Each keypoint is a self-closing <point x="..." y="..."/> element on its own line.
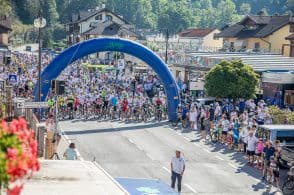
<point x="175" y="16"/>
<point x="290" y="5"/>
<point x="226" y="13"/>
<point x="5" y="7"/>
<point x="138" y="12"/>
<point x="245" y="8"/>
<point x="231" y="79"/>
<point x="50" y="12"/>
<point x="27" y="10"/>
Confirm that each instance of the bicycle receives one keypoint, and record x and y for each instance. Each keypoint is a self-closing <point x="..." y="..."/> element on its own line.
<point x="288" y="186"/>
<point x="214" y="136"/>
<point x="184" y="122"/>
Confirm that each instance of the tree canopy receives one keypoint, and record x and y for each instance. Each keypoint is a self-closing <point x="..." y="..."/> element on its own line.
<point x="175" y="15"/>
<point x="231" y="79"/>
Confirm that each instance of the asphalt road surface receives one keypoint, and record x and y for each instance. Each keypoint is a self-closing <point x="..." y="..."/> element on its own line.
<point x="145" y="150"/>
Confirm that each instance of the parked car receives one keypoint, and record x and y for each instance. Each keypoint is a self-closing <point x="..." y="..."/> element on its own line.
<point x="283" y="133"/>
<point x="205" y="101"/>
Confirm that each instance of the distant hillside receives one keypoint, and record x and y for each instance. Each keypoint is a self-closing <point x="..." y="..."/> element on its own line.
<point x="175" y="15"/>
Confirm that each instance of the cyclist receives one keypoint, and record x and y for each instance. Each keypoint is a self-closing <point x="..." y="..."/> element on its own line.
<point x="185" y="111"/>
<point x="50" y="104"/>
<point x="70" y="103"/>
<point x="113" y="101"/>
<point x="125" y="106"/>
<point x="158" y="103"/>
<point x="77" y="104"/>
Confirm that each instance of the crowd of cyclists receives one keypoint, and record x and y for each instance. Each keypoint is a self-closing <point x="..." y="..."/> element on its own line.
<point x="109" y="94"/>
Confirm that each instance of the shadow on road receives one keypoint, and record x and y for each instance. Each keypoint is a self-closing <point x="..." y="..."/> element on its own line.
<point x="106" y="130"/>
<point x="240" y="159"/>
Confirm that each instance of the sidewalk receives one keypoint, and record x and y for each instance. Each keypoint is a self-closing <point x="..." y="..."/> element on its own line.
<point x="64" y="177"/>
<point x="61" y="177"/>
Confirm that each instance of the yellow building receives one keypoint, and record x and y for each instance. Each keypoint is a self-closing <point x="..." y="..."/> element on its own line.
<point x="266" y="34"/>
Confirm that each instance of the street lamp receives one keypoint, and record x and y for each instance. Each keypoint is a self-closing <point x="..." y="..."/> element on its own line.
<point x="166" y="42"/>
<point x="39" y="23"/>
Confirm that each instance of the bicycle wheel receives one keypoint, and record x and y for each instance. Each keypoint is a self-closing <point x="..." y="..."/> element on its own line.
<point x="288" y="187"/>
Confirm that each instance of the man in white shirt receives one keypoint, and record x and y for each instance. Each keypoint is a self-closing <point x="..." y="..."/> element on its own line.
<point x="251" y="146"/>
<point x="177" y="169"/>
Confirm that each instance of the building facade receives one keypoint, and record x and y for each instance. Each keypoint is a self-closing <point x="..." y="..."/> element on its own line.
<point x="5" y="29"/>
<point x="99" y="22"/>
<point x="264" y="34"/>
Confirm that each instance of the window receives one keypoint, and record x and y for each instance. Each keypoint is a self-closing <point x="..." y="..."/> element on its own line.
<point x="251" y="27"/>
<point x="108" y="18"/>
<point x="215" y="36"/>
<point x="232" y="47"/>
<point x="292" y="28"/>
<point x="99" y="17"/>
<point x="256" y="45"/>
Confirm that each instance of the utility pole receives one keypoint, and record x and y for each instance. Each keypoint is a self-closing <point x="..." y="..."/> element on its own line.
<point x="166" y="44"/>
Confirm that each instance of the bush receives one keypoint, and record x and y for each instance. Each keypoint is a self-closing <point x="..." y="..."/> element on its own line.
<point x="279" y="115"/>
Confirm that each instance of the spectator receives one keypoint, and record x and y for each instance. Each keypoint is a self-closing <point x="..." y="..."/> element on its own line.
<point x="268" y="151"/>
<point x="274" y="172"/>
<point x="251" y="146"/>
<point x="70" y="153"/>
<point x="177" y="169"/>
<point x="259" y="150"/>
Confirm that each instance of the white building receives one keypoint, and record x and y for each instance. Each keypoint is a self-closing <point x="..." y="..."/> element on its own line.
<point x="190" y="39"/>
<point x="99" y="22"/>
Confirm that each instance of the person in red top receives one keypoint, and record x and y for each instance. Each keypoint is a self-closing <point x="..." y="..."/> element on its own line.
<point x="125" y="105"/>
<point x="158" y="101"/>
<point x="77" y="103"/>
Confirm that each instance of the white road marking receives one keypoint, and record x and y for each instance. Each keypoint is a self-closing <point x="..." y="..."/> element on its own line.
<point x="257" y="180"/>
<point x="139" y="147"/>
<point x="150" y="156"/>
<point x="166" y="169"/>
<point x="220" y="158"/>
<point x="130" y="140"/>
<point x="186" y="138"/>
<point x="232" y="165"/>
<point x="190" y="188"/>
<point x="110" y="177"/>
<point x="197" y="145"/>
<point x="206" y="150"/>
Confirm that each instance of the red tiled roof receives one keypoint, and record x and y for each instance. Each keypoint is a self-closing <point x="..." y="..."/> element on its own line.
<point x="195" y="32"/>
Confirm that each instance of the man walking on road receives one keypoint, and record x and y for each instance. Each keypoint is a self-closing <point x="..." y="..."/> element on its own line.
<point x="177" y="169"/>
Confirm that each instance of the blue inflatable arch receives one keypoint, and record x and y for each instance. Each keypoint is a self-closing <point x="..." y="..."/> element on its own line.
<point x="85" y="48"/>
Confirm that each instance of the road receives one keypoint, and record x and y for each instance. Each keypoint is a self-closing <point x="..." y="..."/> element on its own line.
<point x="144" y="151"/>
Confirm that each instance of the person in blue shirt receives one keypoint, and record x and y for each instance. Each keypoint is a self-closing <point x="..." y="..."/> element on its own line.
<point x="70" y="153"/>
<point x="184" y="112"/>
<point x="114" y="101"/>
<point x="268" y="151"/>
